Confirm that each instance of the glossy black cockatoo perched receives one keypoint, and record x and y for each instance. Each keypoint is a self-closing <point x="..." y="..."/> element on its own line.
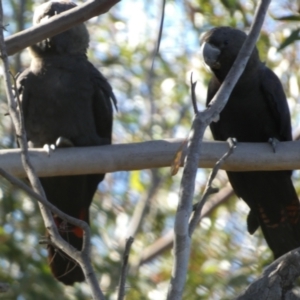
<point x="64" y="96"/>
<point x="256" y="111"/>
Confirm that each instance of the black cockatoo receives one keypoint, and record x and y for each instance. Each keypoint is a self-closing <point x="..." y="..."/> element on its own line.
<point x="65" y="98"/>
<point x="257" y="111"/>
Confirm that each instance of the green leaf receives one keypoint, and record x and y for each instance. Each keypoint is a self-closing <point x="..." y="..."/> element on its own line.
<point x="289" y="40"/>
<point x="289" y="18"/>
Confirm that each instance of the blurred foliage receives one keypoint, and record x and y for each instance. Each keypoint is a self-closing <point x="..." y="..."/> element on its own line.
<point x="224" y="257"/>
<point x="291" y="18"/>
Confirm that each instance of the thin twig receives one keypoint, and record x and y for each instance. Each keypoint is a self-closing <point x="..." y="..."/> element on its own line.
<point x="209" y="189"/>
<point x="161" y="26"/>
<point x="124" y="268"/>
<point x="150" y="75"/>
<point x="193" y="94"/>
<point x="20" y="184"/>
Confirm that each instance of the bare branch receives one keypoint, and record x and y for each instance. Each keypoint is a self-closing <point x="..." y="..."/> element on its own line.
<point x="20" y="184"/>
<point x="277" y="281"/>
<point x="161" y="26"/>
<point x="57" y="24"/>
<point x="149" y="155"/>
<point x="209" y="188"/>
<point x="124" y="268"/>
<point x="182" y="239"/>
<point x="193" y="94"/>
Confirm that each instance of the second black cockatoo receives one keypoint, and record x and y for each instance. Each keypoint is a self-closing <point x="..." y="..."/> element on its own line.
<point x="256" y="111"/>
<point x="64" y="96"/>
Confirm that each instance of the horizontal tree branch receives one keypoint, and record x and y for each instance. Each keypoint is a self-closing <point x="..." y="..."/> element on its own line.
<point x="57" y="24"/>
<point x="148" y="155"/>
